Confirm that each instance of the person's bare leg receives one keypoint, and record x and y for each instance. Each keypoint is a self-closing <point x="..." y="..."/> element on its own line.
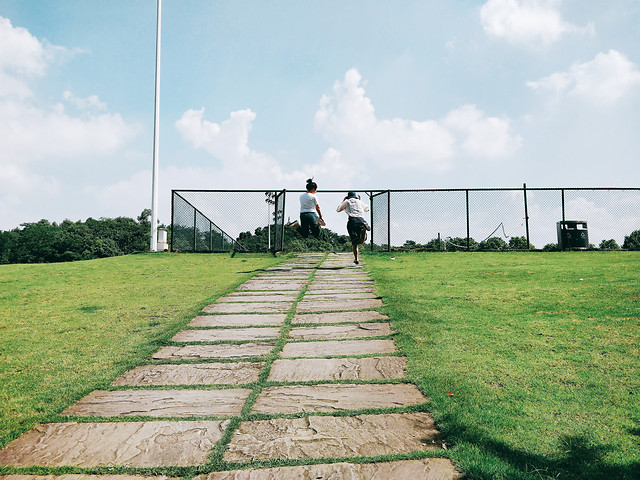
<point x="354" y="248"/>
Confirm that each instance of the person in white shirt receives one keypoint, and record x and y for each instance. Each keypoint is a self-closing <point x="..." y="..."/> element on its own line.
<point x="310" y="214"/>
<point x="357" y="226"/>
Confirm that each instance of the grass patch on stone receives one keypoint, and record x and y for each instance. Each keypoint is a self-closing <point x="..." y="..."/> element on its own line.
<point x="67" y="329"/>
<point x="531" y="361"/>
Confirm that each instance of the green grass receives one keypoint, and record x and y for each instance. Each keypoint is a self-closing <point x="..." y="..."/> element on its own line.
<point x="540" y="352"/>
<point x="67" y="329"/>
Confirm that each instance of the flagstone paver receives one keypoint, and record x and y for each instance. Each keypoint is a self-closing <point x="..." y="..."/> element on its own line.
<point x="424" y="469"/>
<point x="341" y="331"/>
<point x="327" y="436"/>
<point x="319" y="285"/>
<point x="192" y="374"/>
<point x="333" y="398"/>
<point x="162" y="403"/>
<point x="238" y="320"/>
<point x="337" y="347"/>
<point x="314" y="369"/>
<point x="338" y="317"/>
<point x="197" y="352"/>
<point x="267" y="285"/>
<point x="326" y="306"/>
<point x="265" y="307"/>
<point x="338" y="296"/>
<point x="227" y="334"/>
<point x="135" y="444"/>
<point x="258" y="298"/>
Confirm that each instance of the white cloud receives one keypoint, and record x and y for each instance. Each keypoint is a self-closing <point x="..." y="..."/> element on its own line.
<point x="242" y="167"/>
<point x="31" y="131"/>
<point x="90" y="103"/>
<point x="348" y="122"/>
<point x="482" y="136"/>
<point x="530" y="23"/>
<point x="605" y="80"/>
<point x="20" y="51"/>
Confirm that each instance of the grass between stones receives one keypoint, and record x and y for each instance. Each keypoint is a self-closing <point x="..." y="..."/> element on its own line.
<point x="531" y="360"/>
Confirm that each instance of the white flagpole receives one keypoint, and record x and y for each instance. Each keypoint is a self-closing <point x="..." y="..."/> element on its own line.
<point x="156" y="139"/>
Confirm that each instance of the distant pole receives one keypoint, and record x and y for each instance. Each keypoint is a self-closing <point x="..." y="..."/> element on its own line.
<point x="156" y="139"/>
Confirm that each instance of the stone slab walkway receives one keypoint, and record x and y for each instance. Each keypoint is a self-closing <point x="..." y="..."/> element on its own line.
<point x="263" y="352"/>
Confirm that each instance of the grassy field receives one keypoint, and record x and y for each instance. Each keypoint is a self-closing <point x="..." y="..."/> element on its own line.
<point x="67" y="329"/>
<point x="531" y="360"/>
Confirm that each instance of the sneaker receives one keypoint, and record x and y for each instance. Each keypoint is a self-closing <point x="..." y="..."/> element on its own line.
<point x="356" y="262"/>
<point x="293" y="224"/>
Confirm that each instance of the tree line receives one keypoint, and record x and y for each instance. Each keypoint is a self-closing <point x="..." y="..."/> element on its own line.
<point x="45" y="242"/>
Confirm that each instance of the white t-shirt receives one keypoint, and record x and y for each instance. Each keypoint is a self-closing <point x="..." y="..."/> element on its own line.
<point x="308" y="202"/>
<point x="354" y="207"/>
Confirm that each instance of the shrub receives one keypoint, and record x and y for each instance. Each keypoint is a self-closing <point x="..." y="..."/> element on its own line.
<point x="520" y="243"/>
<point x="609" y="245"/>
<point x="494" y="244"/>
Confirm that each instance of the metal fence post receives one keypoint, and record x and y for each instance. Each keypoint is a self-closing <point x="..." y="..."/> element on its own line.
<point x="195" y="228"/>
<point x="388" y="220"/>
<point x="371" y="216"/>
<point x="526" y="215"/>
<point x="468" y="229"/>
<point x="173" y="212"/>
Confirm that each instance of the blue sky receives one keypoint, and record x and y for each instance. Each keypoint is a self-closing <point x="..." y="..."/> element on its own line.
<point x="264" y="94"/>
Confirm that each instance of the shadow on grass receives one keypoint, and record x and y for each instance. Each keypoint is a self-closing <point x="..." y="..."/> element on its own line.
<point x="581" y="458"/>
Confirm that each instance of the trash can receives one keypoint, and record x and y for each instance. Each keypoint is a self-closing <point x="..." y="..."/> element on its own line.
<point x="572" y="234"/>
<point x="163" y="246"/>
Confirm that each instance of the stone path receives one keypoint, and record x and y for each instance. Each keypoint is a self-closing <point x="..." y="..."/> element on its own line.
<point x="306" y="378"/>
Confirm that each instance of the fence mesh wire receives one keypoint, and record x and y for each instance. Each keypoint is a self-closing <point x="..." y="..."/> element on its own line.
<point x="222" y="220"/>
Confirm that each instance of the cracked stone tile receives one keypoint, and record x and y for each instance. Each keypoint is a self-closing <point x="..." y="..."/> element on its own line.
<point x="161" y="403"/>
<point x="257" y="298"/>
<point x="424" y="469"/>
<point x="337" y="347"/>
<point x="135" y="444"/>
<point x="192" y="374"/>
<point x="238" y="320"/>
<point x="227" y="334"/>
<point x="312" y="297"/>
<point x="330" y="291"/>
<point x="327" y="436"/>
<point x="339" y="317"/>
<point x="265" y="307"/>
<point x="341" y="331"/>
<point x="335" y="398"/>
<point x="197" y="352"/>
<point x="336" y="305"/>
<point x="269" y="285"/>
<point x="315" y="369"/>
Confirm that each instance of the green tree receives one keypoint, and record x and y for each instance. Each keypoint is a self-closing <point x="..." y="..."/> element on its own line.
<point x="632" y="241"/>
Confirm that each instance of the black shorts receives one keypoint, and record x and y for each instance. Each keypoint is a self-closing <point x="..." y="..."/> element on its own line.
<point x="357" y="228"/>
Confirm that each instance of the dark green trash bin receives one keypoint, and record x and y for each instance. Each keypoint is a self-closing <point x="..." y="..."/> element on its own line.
<point x="572" y="234"/>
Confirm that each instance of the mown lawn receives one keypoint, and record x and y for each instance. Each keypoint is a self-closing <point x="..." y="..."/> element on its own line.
<point x="67" y="329"/>
<point x="531" y="360"/>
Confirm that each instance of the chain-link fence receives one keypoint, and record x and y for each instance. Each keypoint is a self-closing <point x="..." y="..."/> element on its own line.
<point x="432" y="219"/>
